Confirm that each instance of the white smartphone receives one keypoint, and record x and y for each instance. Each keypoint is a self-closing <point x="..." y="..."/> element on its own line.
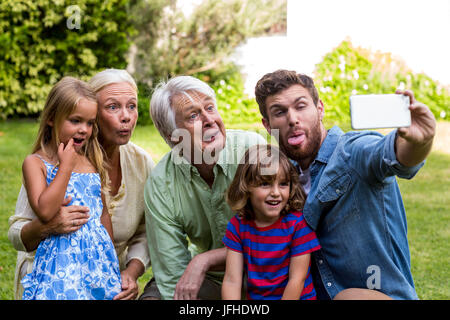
<point x="373" y="111"/>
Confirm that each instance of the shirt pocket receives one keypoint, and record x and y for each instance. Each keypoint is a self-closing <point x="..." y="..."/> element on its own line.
<point x="337" y="202"/>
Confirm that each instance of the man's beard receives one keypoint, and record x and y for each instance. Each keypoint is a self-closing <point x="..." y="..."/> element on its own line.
<point x="307" y="151"/>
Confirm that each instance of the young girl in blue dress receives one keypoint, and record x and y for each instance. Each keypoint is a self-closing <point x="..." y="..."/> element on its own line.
<point x="67" y="161"/>
<point x="268" y="239"/>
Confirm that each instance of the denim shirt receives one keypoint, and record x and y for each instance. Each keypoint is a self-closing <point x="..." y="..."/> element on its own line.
<point x="356" y="209"/>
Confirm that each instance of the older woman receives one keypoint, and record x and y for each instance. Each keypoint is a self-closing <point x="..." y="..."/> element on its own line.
<point x="128" y="169"/>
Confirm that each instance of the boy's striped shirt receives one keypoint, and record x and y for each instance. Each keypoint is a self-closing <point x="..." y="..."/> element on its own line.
<point x="267" y="253"/>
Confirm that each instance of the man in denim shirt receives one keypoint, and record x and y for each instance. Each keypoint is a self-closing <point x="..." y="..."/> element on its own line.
<point x="354" y="203"/>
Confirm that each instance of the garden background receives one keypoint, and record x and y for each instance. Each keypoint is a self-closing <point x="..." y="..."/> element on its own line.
<point x="41" y="41"/>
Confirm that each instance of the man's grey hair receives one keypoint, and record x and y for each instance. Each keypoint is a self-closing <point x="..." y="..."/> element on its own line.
<point x="161" y="109"/>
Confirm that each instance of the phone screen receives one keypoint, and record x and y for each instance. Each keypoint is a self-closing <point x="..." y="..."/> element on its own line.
<point x="374" y="111"/>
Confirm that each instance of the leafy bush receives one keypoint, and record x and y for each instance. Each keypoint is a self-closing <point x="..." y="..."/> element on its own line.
<point x="41" y="41"/>
<point x="234" y="105"/>
<point x="348" y="70"/>
<point x="144" y="96"/>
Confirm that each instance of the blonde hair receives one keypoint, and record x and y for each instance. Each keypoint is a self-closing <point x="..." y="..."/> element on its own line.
<point x="60" y="104"/>
<point x="110" y="76"/>
<point x="250" y="174"/>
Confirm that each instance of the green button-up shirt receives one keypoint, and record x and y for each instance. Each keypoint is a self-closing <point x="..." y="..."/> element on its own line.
<point x="180" y="204"/>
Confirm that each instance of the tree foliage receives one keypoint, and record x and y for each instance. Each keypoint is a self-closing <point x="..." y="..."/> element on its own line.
<point x="234" y="105"/>
<point x="169" y="44"/>
<point x="41" y="41"/>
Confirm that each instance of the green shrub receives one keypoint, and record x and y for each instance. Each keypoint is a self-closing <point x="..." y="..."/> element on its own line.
<point x="144" y="96"/>
<point x="234" y="105"/>
<point x="429" y="92"/>
<point x="348" y="70"/>
<point x="41" y="41"/>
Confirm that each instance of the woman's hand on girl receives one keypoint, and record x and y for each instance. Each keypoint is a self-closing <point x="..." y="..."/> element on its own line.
<point x="130" y="287"/>
<point x="69" y="218"/>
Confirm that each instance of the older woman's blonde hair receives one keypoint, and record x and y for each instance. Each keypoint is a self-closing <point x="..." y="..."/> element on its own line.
<point x="60" y="104"/>
<point x="263" y="163"/>
<point x="110" y="76"/>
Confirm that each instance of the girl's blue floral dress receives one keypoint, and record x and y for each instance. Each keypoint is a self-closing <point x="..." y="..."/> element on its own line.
<point x="82" y="265"/>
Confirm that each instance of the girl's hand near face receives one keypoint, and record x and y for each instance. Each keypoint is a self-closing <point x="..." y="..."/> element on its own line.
<point x="67" y="156"/>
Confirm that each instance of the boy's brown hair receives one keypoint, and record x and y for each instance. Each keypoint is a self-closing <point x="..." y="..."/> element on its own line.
<point x="274" y="82"/>
<point x="256" y="160"/>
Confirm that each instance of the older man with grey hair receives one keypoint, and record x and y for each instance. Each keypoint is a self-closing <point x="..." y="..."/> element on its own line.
<point x="186" y="212"/>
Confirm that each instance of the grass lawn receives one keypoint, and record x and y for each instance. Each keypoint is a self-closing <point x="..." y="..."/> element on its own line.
<point x="426" y="199"/>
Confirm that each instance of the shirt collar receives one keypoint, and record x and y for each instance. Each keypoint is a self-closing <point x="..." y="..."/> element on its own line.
<point x="187" y="168"/>
<point x="326" y="149"/>
<point x="329" y="144"/>
<point x="223" y="158"/>
<point x="180" y="163"/>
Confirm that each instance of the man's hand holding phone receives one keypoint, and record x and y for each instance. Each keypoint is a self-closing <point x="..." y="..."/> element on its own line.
<point x="415" y="122"/>
<point x="413" y="144"/>
<point x="423" y="123"/>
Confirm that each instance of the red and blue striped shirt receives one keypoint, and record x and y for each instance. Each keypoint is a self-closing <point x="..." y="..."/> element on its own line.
<point x="267" y="253"/>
